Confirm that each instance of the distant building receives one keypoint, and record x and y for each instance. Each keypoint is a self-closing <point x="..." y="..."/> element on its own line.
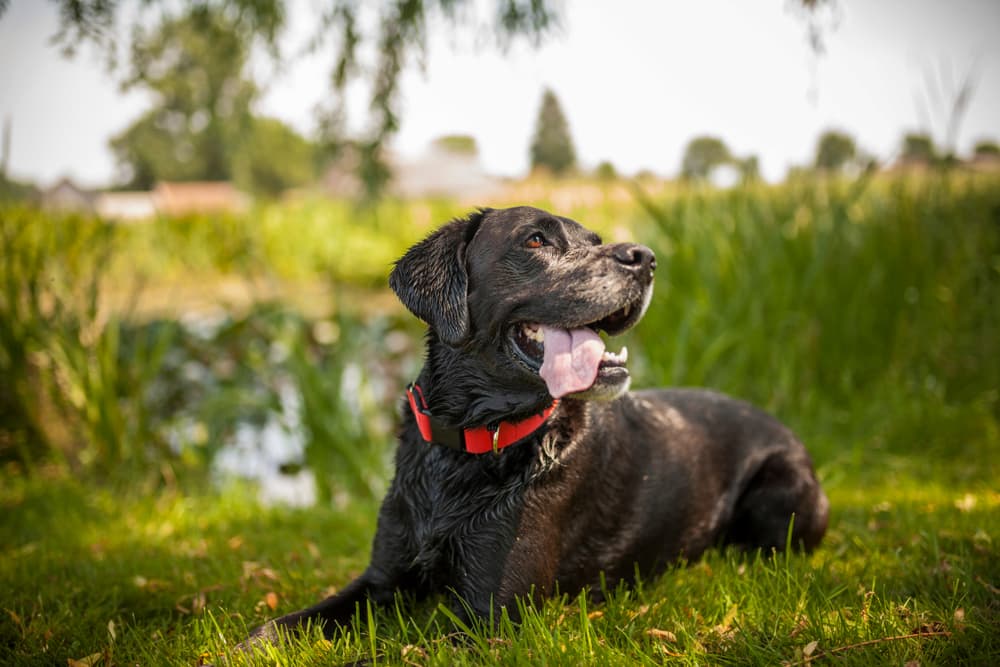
<point x="172" y="198"/>
<point x="341" y="177"/>
<point x="442" y="172"/>
<point x="125" y="206"/>
<point x="438" y="172"/>
<point x="984" y="162"/>
<point x="67" y="196"/>
<point x="168" y="198"/>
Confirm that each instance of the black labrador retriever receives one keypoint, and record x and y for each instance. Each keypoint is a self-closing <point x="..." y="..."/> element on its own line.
<point x="524" y="466"/>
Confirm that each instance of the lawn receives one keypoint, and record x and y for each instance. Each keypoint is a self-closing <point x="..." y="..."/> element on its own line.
<point x="864" y="314"/>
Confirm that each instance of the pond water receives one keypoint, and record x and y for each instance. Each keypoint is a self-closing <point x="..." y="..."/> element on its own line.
<point x="241" y="383"/>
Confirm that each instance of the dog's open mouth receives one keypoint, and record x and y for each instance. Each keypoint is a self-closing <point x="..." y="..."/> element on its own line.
<point x="573" y="359"/>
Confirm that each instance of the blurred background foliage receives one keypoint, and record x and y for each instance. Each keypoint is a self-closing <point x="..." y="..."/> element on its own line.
<point x="863" y="310"/>
<point x="193" y="58"/>
<point x="856" y="298"/>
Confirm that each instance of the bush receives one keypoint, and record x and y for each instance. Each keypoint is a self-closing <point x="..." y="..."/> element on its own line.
<point x="827" y="299"/>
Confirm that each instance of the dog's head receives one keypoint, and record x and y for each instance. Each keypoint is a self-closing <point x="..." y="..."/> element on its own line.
<point x="527" y="292"/>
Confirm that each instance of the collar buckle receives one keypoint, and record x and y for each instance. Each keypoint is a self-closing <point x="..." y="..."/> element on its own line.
<point x="494" y="429"/>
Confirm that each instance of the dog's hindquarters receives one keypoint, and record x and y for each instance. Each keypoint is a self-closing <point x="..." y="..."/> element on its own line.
<point x="759" y="473"/>
<point x="781" y="506"/>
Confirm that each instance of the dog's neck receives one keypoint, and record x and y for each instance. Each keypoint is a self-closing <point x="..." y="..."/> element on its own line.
<point x="457" y="392"/>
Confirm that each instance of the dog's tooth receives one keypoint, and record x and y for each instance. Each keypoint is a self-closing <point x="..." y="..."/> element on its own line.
<point x="627" y="310"/>
<point x="619" y="358"/>
<point x="533" y="332"/>
<point x="612" y="357"/>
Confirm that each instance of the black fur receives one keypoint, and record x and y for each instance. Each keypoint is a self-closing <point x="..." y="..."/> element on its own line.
<point x="629" y="483"/>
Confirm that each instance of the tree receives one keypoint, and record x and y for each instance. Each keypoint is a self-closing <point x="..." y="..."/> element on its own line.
<point x="918" y="148"/>
<point x="552" y="146"/>
<point x="606" y="171"/>
<point x="273" y="158"/>
<point x="461" y="144"/>
<point x="194" y="66"/>
<point x="154" y="149"/>
<point x="702" y="155"/>
<point x="401" y="32"/>
<point x="986" y="148"/>
<point x="201" y="126"/>
<point x="835" y="150"/>
<point x="749" y="169"/>
<point x="400" y="35"/>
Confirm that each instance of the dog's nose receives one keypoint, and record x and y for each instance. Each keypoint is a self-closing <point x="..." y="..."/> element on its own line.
<point x="634" y="255"/>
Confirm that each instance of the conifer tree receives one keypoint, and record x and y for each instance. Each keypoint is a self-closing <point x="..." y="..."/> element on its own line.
<point x="552" y="146"/>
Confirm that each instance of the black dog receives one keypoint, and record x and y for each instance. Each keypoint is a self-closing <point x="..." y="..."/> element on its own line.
<point x="524" y="466"/>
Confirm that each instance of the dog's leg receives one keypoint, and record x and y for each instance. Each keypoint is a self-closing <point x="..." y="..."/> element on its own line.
<point x="388" y="572"/>
<point x="334" y="611"/>
<point x="504" y="566"/>
<point x="783" y="492"/>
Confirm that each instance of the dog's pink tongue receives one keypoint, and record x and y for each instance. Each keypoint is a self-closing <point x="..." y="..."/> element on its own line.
<point x="571" y="359"/>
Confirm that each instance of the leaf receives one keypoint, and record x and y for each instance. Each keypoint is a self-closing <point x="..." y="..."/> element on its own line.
<point x="17" y="620"/>
<point x="254" y="570"/>
<point x="413" y="651"/>
<point x="725" y="629"/>
<point x="665" y="651"/>
<point x="271" y="599"/>
<point x="810" y="648"/>
<point x="595" y="614"/>
<point x="934" y="627"/>
<point x="207" y="659"/>
<point x="663" y="635"/>
<point x="111" y="630"/>
<point x="90" y="661"/>
<point x="799" y="627"/>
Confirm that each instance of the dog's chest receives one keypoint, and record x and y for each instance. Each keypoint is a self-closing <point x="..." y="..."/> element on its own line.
<point x="457" y="506"/>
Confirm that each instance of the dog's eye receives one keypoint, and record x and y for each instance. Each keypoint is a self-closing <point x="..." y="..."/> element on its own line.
<point x="536" y="240"/>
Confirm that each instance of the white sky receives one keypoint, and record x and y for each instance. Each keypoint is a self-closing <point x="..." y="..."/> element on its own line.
<point x="636" y="82"/>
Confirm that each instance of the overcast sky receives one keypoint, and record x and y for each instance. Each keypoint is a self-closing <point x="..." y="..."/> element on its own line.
<point x="637" y="79"/>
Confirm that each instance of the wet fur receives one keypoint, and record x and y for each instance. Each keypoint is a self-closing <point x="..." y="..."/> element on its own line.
<point x="615" y="487"/>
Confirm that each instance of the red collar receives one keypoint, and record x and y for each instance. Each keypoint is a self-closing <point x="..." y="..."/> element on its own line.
<point x="477" y="440"/>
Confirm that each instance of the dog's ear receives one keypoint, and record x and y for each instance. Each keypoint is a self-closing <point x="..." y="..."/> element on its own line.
<point x="431" y="280"/>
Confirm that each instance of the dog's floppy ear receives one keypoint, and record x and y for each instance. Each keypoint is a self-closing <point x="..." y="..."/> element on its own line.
<point x="431" y="280"/>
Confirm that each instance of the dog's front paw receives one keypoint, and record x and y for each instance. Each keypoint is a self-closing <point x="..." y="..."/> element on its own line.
<point x="258" y="639"/>
<point x="265" y="635"/>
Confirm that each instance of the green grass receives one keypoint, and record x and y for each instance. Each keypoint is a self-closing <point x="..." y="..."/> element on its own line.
<point x="178" y="573"/>
<point x="864" y="314"/>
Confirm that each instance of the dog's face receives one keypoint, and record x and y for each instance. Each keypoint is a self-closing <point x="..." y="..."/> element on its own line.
<point x="527" y="292"/>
